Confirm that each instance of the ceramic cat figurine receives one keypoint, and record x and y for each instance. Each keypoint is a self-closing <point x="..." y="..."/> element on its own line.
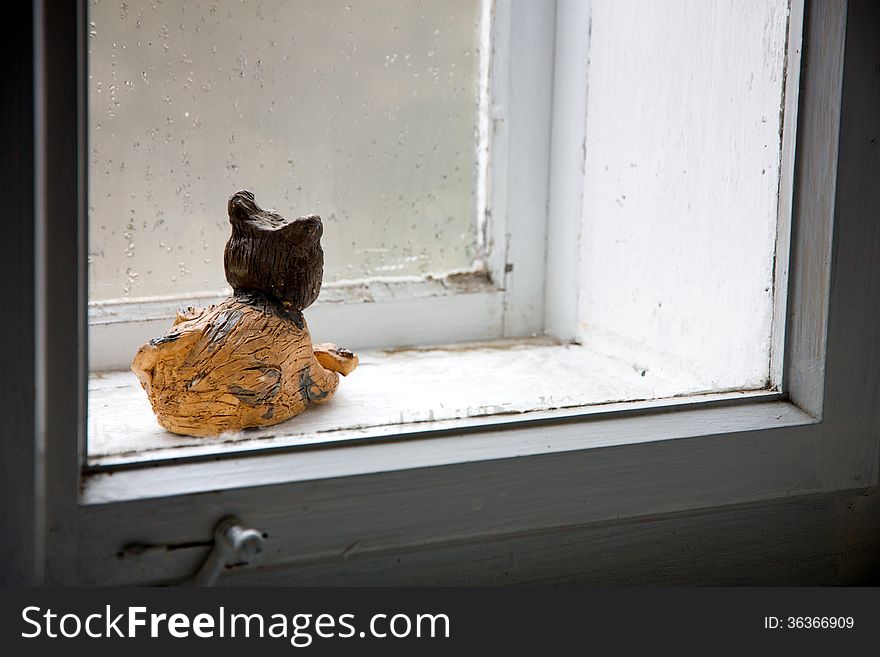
<point x="248" y="361"/>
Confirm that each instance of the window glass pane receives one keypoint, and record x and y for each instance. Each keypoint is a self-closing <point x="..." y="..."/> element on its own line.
<point x="365" y="113"/>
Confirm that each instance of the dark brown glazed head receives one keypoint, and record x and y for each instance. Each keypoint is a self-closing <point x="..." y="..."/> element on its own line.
<point x="280" y="258"/>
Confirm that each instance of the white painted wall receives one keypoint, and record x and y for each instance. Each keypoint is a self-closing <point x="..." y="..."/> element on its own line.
<point x="681" y="181"/>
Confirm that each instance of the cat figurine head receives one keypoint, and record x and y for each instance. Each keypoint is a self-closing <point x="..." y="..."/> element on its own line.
<point x="277" y="257"/>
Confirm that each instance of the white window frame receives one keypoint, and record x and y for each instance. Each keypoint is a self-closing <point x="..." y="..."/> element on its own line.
<point x="430" y="492"/>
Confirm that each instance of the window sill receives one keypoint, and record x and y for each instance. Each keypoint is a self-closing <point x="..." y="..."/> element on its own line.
<point x="399" y="392"/>
<point x="463" y="403"/>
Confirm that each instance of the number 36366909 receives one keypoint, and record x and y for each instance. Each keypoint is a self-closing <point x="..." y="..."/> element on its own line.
<point x="808" y="622"/>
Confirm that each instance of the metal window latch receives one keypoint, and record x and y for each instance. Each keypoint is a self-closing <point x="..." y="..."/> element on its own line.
<point x="234" y="546"/>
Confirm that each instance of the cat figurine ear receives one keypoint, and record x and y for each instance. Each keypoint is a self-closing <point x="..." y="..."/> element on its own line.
<point x="277" y="257"/>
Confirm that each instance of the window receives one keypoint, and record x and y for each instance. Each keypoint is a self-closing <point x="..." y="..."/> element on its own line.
<point x="368" y="117"/>
<point x="365" y="115"/>
<point x="434" y="495"/>
<point x="674" y="284"/>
